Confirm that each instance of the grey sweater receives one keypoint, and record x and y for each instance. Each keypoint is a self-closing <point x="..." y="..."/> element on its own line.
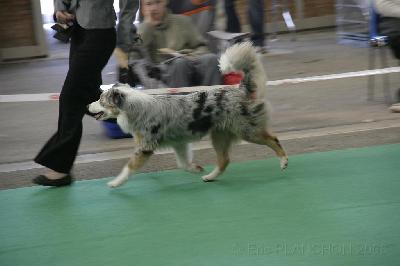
<point x="100" y="14"/>
<point x="90" y="14"/>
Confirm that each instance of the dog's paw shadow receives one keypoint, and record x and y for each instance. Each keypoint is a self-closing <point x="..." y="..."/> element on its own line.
<point x="182" y="181"/>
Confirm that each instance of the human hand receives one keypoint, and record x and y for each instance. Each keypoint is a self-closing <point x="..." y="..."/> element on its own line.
<point x="122" y="58"/>
<point x="169" y="51"/>
<point x="186" y="51"/>
<point x="64" y="17"/>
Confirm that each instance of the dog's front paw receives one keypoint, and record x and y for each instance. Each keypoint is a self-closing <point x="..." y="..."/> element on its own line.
<point x="211" y="176"/>
<point x="208" y="178"/>
<point x="284" y="162"/>
<point x="113" y="184"/>
<point x="195" y="168"/>
<point x="116" y="182"/>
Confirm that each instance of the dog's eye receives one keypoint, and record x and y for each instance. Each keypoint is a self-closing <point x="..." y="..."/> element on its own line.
<point x="104" y="102"/>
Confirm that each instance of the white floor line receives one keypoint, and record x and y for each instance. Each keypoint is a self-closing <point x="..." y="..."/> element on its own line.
<point x="302" y="134"/>
<point x="353" y="74"/>
<point x="15" y="98"/>
<point x="37" y="97"/>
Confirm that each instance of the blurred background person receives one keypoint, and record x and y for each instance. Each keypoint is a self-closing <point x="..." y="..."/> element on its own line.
<point x="255" y="15"/>
<point x="126" y="34"/>
<point x="389" y="25"/>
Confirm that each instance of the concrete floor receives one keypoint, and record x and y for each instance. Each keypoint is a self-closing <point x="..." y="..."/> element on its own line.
<point x="309" y="116"/>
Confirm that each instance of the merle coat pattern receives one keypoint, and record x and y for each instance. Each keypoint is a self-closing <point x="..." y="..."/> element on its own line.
<point x="228" y="114"/>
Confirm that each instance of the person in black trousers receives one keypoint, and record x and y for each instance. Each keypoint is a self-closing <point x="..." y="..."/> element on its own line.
<point x="256" y="19"/>
<point x="93" y="40"/>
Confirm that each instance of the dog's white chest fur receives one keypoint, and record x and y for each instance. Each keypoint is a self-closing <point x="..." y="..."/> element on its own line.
<point x="123" y="123"/>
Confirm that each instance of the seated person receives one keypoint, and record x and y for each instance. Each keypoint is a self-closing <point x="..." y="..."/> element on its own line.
<point x="173" y="42"/>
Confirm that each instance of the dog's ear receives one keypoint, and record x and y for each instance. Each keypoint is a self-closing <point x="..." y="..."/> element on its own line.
<point x="116" y="97"/>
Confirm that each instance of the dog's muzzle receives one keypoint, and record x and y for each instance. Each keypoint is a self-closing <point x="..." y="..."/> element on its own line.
<point x="96" y="110"/>
<point x="98" y="115"/>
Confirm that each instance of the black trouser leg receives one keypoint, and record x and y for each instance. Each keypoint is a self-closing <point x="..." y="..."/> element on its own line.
<point x="232" y="20"/>
<point x="90" y="52"/>
<point x="256" y="18"/>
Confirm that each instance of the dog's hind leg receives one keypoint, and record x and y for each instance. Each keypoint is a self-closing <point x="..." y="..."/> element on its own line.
<point x="221" y="142"/>
<point x="184" y="157"/>
<point x="266" y="138"/>
<point x="134" y="164"/>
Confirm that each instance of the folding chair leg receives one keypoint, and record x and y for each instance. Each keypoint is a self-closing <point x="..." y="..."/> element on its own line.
<point x="371" y="78"/>
<point x="386" y="82"/>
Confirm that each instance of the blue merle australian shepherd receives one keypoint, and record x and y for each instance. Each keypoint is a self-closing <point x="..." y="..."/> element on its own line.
<point x="228" y="114"/>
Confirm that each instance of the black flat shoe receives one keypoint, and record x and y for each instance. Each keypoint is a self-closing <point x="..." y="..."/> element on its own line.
<point x="44" y="181"/>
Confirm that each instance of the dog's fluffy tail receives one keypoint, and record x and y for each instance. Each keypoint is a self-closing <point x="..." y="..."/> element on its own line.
<point x="242" y="57"/>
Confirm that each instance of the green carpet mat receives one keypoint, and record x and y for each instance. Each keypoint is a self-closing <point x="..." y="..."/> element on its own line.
<point x="331" y="208"/>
